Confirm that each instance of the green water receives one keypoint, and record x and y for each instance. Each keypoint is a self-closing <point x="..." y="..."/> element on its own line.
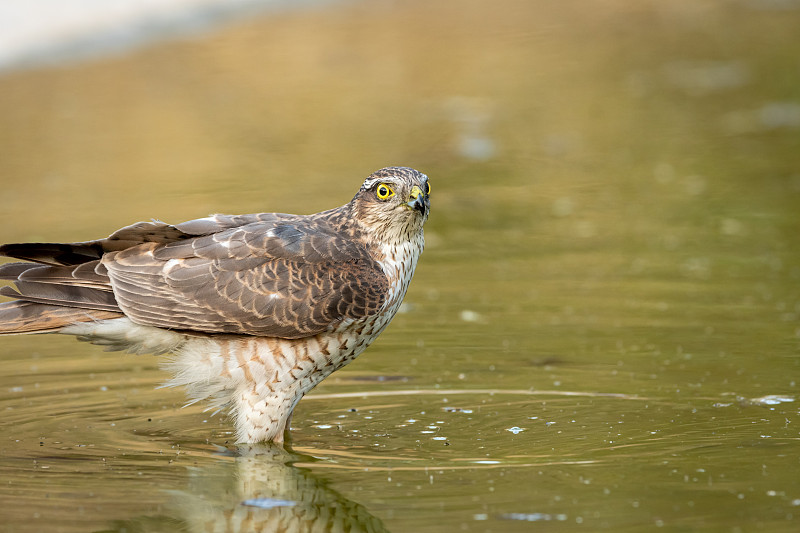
<point x="603" y="331"/>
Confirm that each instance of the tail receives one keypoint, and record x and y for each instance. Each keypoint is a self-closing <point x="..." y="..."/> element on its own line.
<point x="65" y="285"/>
<point x="20" y="317"/>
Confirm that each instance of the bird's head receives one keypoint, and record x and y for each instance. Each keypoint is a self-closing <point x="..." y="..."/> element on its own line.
<point x="393" y="200"/>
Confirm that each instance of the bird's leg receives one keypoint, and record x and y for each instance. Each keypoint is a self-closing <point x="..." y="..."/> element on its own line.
<point x="268" y="388"/>
<point x="288" y="427"/>
<point x="260" y="417"/>
<point x="285" y="432"/>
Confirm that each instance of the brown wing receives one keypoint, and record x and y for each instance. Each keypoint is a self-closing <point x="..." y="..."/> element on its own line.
<point x="265" y="274"/>
<point x="69" y="275"/>
<point x="286" y="278"/>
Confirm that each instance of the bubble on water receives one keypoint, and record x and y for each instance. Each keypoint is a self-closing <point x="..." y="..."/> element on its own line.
<point x="765" y="401"/>
<point x="775" y="400"/>
<point x="456" y="410"/>
<point x="533" y="517"/>
<point x="515" y="430"/>
<point x="468" y="315"/>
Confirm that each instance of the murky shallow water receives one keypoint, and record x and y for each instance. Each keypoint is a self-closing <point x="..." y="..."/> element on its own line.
<point x="603" y="332"/>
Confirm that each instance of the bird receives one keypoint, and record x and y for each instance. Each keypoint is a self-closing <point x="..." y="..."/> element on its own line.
<point x="250" y="312"/>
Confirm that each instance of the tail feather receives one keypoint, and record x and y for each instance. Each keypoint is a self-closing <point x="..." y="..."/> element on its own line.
<point x="20" y="317"/>
<point x="15" y="270"/>
<point x="63" y="285"/>
<point x="91" y="274"/>
<point x="77" y="253"/>
<point x="54" y="253"/>
<point x="63" y="295"/>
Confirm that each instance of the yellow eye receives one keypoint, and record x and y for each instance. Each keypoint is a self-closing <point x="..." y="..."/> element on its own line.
<point x="427" y="188"/>
<point x="384" y="192"/>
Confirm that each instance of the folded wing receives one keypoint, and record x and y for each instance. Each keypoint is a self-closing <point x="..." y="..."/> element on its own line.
<point x="270" y="274"/>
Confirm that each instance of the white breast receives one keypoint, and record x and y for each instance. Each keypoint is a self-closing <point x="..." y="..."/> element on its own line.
<point x="399" y="263"/>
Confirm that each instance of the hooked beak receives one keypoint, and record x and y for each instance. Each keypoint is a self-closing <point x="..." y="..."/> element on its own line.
<point x="417" y="200"/>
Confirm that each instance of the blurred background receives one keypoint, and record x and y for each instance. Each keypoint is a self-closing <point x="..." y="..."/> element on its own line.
<point x="603" y="331"/>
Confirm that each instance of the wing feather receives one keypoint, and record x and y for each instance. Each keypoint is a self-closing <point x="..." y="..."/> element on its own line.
<point x="284" y="276"/>
<point x="265" y="274"/>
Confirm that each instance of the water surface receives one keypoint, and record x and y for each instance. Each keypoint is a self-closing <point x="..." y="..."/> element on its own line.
<point x="604" y="329"/>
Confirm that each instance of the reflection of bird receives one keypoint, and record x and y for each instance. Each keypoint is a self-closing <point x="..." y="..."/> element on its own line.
<point x="257" y="308"/>
<point x="260" y="490"/>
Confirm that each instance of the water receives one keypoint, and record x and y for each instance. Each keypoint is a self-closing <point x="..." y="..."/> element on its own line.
<point x="604" y="329"/>
<point x="47" y="33"/>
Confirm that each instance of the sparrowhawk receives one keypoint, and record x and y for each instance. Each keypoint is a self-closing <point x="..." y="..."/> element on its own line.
<point x="256" y="309"/>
